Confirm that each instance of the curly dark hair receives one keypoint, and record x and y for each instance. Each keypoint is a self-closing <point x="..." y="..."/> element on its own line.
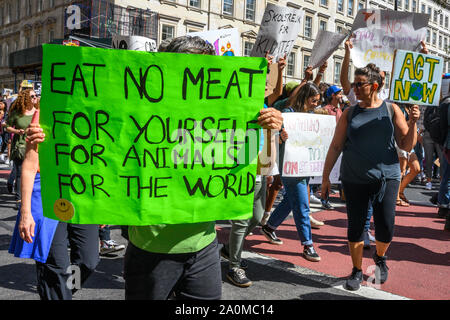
<point x="23" y="102"/>
<point x="372" y="72"/>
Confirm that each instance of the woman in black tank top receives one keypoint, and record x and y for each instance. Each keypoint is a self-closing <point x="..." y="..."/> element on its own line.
<point x="370" y="170"/>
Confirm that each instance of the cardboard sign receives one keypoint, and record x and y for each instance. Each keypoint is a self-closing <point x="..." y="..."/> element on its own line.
<point x="378" y="33"/>
<point x="306" y="148"/>
<point x="416" y="78"/>
<point x="226" y="42"/>
<point x="325" y="45"/>
<point x="136" y="43"/>
<point x="335" y="174"/>
<point x="279" y="29"/>
<point x="138" y="138"/>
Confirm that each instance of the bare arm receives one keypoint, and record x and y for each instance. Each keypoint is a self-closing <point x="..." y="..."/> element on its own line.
<point x="406" y="131"/>
<point x="345" y="82"/>
<point x="319" y="75"/>
<point x="308" y="75"/>
<point x="29" y="168"/>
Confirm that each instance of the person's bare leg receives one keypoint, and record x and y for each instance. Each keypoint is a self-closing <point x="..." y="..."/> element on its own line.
<point x="356" y="252"/>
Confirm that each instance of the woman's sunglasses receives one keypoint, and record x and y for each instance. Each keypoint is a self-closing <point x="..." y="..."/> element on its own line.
<point x="33" y="96"/>
<point x="359" y="84"/>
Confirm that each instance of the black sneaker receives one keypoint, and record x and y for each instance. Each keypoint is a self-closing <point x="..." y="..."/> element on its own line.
<point x="326" y="205"/>
<point x="310" y="254"/>
<point x="353" y="283"/>
<point x="237" y="277"/>
<point x="224" y="253"/>
<point x="381" y="270"/>
<point x="270" y="235"/>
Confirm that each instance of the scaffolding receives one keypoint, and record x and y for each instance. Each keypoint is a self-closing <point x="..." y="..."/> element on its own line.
<point x="103" y="19"/>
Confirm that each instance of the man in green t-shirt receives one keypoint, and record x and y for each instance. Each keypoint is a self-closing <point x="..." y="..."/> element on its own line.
<point x="180" y="259"/>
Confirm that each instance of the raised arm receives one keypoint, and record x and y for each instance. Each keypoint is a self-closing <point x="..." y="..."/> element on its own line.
<point x="319" y="75"/>
<point x="345" y="82"/>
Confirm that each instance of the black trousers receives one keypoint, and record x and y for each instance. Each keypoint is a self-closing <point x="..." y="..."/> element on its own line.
<point x="357" y="201"/>
<point x="156" y="276"/>
<point x="57" y="277"/>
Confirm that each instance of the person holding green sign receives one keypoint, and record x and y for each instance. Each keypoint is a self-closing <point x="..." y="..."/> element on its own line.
<point x="370" y="170"/>
<point x="179" y="259"/>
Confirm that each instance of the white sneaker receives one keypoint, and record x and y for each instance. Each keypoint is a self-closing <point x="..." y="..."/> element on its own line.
<point x="108" y="246"/>
<point x="315" y="224"/>
<point x="314" y="199"/>
<point x="429" y="186"/>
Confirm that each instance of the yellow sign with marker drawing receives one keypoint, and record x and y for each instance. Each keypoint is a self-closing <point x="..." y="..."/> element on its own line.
<point x="416" y="78"/>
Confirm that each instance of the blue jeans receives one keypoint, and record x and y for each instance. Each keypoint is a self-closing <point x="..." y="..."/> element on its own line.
<point x="444" y="189"/>
<point x="295" y="200"/>
<point x="369" y="216"/>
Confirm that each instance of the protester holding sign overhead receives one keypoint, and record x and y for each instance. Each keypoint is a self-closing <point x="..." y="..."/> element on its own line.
<point x="370" y="169"/>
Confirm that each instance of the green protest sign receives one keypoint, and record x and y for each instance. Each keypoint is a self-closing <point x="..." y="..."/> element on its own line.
<point x="416" y="78"/>
<point x="137" y="138"/>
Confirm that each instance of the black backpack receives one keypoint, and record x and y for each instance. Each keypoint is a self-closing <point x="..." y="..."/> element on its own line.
<point x="432" y="124"/>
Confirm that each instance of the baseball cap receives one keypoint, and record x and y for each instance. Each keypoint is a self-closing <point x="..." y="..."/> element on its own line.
<point x="331" y="90"/>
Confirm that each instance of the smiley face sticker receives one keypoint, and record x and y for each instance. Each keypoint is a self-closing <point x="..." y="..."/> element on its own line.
<point x="63" y="209"/>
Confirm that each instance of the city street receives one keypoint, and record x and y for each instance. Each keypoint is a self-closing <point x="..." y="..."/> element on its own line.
<point x="418" y="268"/>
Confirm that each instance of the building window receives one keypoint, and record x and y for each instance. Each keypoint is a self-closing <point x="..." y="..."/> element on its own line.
<point x="414" y="6"/>
<point x="228" y="7"/>
<point x="387" y="80"/>
<point x="323" y="25"/>
<point x="440" y="42"/>
<point x="361" y="5"/>
<point x="350" y="8"/>
<point x="434" y="38"/>
<point x="305" y="63"/>
<point x="27" y="42"/>
<point x="8" y="13"/>
<point x="399" y="4"/>
<point x="1" y="18"/>
<point x="308" y="27"/>
<point x="39" y="5"/>
<point x="337" y="72"/>
<point x="248" y="46"/>
<point x="28" y="4"/>
<point x="424" y="8"/>
<point x="290" y="67"/>
<point x="51" y="3"/>
<point x="435" y="16"/>
<point x="6" y="55"/>
<point x="406" y="5"/>
<point x="445" y="44"/>
<point x="324" y="3"/>
<point x="250" y="10"/>
<point x="446" y="21"/>
<point x="194" y="3"/>
<point x="17" y="18"/>
<point x="429" y="11"/>
<point x="441" y="19"/>
<point x="340" y="5"/>
<point x="38" y="39"/>
<point x="167" y="32"/>
<point x="428" y="36"/>
<point x="51" y="35"/>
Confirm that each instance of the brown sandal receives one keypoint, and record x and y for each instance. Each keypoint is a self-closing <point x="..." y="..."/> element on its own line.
<point x="402" y="203"/>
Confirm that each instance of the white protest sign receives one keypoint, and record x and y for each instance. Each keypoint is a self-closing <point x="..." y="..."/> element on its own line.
<point x="136" y="43"/>
<point x="226" y="42"/>
<point x="416" y="78"/>
<point x="279" y="29"/>
<point x="326" y="43"/>
<point x="334" y="174"/>
<point x="309" y="137"/>
<point x="377" y="33"/>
